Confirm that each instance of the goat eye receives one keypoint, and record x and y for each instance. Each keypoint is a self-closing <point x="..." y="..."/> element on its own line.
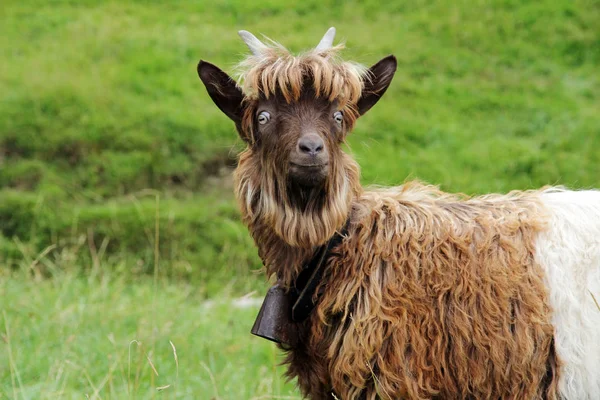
<point x="264" y="117"/>
<point x="338" y="117"/>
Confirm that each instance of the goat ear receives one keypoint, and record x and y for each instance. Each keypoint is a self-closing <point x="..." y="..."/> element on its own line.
<point x="222" y="90"/>
<point x="379" y="78"/>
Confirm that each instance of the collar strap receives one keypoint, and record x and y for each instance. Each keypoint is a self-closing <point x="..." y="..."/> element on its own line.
<point x="305" y="286"/>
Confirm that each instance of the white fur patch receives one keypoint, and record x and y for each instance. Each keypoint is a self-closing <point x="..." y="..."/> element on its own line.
<point x="569" y="252"/>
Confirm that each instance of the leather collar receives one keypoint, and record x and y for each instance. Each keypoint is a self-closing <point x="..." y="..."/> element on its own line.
<point x="282" y="309"/>
<point x="305" y="286"/>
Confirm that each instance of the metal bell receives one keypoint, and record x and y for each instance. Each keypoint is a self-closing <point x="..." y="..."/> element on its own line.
<point x="274" y="318"/>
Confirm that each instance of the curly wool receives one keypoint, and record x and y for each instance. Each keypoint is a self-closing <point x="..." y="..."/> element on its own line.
<point x="433" y="296"/>
<point x="430" y="295"/>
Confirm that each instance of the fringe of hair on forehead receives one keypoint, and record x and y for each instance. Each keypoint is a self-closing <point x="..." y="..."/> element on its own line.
<point x="277" y="71"/>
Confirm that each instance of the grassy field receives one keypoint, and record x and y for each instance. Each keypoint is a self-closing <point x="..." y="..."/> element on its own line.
<point x="105" y="338"/>
<point x="117" y="221"/>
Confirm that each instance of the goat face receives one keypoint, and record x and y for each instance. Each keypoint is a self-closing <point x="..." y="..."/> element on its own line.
<point x="294" y="112"/>
<point x="302" y="137"/>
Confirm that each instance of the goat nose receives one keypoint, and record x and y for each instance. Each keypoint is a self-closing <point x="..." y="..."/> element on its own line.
<point x="310" y="144"/>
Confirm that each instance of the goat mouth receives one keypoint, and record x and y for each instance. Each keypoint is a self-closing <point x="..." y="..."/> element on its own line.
<point x="308" y="175"/>
<point x="315" y="166"/>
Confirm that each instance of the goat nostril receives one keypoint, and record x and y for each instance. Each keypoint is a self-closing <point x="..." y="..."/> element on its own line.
<point x="310" y="145"/>
<point x="305" y="148"/>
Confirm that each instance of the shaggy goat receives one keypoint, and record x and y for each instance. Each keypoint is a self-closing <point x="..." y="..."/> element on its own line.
<point x="428" y="294"/>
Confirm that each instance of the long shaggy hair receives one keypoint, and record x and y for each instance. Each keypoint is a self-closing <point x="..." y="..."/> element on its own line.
<point x="433" y="296"/>
<point x="286" y="233"/>
<point x="276" y="212"/>
<point x="276" y="70"/>
<point x="429" y="295"/>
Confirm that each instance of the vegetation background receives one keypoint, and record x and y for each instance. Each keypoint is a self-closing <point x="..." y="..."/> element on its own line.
<point x="122" y="258"/>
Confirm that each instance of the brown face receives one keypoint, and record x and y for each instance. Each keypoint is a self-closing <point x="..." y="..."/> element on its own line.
<point x="298" y="140"/>
<point x="301" y="137"/>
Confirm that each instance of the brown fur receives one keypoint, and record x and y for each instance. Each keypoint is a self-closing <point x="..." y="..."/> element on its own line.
<point x="277" y="73"/>
<point x="430" y="295"/>
<point x="276" y="70"/>
<point x="433" y="296"/>
<point x="289" y="234"/>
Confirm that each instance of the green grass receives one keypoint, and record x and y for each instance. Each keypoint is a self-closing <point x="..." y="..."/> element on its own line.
<point x="100" y="100"/>
<point x="107" y="133"/>
<point x="101" y="337"/>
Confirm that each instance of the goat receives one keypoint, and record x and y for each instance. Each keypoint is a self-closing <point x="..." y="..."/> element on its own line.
<point x="428" y="295"/>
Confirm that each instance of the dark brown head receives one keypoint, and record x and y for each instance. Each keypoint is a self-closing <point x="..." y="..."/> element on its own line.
<point x="294" y="113"/>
